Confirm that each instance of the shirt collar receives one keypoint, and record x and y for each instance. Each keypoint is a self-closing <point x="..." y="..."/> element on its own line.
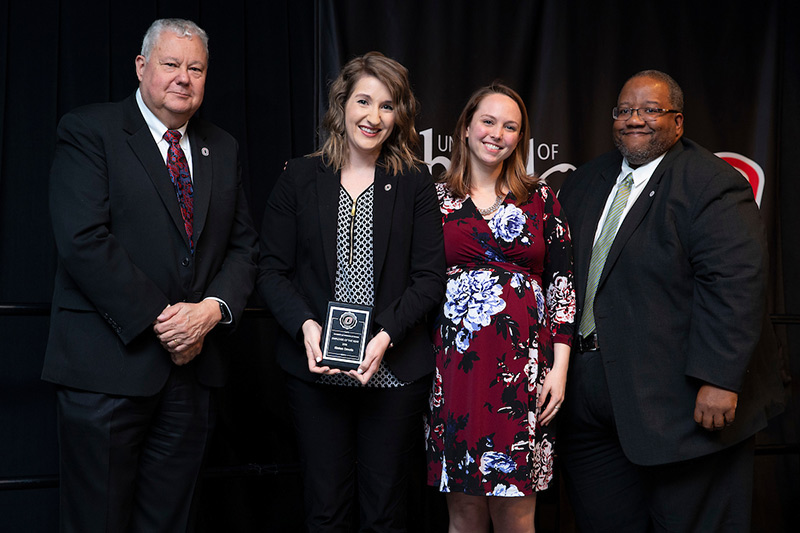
<point x="641" y="174"/>
<point x="157" y="128"/>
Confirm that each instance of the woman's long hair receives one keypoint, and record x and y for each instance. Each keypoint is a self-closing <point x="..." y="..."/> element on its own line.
<point x="397" y="152"/>
<point x="514" y="175"/>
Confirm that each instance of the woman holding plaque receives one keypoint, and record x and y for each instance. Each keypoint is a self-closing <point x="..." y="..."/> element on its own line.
<point x="352" y="250"/>
<point x="504" y="332"/>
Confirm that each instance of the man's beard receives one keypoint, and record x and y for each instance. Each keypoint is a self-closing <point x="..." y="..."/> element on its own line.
<point x="643" y="155"/>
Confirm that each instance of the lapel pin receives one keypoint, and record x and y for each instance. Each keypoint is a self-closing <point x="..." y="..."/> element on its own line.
<point x="388" y="187"/>
<point x="204" y="151"/>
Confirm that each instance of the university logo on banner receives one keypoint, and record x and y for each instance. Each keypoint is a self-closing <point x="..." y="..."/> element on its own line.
<point x="543" y="152"/>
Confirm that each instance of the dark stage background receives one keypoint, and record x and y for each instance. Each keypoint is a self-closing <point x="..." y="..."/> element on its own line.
<point x="738" y="63"/>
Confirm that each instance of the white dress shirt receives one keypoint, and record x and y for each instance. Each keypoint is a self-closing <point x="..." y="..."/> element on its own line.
<point x="641" y="176"/>
<point x="158" y="129"/>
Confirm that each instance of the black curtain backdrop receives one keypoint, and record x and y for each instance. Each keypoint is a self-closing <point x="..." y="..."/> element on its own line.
<point x="738" y="63"/>
<point x="57" y="55"/>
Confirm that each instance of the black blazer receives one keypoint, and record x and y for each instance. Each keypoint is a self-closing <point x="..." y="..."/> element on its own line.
<point x="123" y="254"/>
<point x="681" y="301"/>
<point x="298" y="261"/>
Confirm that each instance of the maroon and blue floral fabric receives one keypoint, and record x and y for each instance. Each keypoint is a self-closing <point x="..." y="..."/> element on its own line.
<point x="509" y="298"/>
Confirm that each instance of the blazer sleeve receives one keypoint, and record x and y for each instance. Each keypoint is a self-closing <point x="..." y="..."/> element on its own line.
<point x="90" y="254"/>
<point x="278" y="262"/>
<point x="234" y="281"/>
<point x="425" y="287"/>
<point x="727" y="249"/>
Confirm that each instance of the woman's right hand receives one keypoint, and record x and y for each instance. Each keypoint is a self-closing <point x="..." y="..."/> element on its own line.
<point x="312" y="334"/>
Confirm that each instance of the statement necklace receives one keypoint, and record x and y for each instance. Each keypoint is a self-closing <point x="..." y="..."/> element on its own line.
<point x="492" y="208"/>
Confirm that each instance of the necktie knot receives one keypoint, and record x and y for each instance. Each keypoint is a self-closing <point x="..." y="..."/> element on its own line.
<point x="628" y="181"/>
<point x="172" y="136"/>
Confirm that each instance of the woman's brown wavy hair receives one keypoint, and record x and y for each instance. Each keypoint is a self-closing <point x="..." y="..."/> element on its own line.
<point x="397" y="152"/>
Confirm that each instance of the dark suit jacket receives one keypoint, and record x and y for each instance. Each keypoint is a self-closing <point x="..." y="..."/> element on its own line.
<point x="123" y="251"/>
<point x="298" y="261"/>
<point x="680" y="302"/>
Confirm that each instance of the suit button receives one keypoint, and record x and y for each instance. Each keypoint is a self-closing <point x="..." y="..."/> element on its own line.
<point x="185" y="262"/>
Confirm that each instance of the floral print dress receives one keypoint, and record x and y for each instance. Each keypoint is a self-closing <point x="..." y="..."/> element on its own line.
<point x="509" y="298"/>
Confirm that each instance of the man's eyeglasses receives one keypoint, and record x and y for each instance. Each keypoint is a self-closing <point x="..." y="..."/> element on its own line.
<point x="645" y="113"/>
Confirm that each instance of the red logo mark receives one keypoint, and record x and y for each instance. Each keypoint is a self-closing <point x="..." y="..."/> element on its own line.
<point x="749" y="169"/>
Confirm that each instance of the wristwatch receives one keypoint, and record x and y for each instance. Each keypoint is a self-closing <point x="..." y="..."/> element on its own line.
<point x="226" y="316"/>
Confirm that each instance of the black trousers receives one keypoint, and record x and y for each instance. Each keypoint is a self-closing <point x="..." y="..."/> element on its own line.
<point x="356" y="436"/>
<point x="712" y="493"/>
<point x="130" y="464"/>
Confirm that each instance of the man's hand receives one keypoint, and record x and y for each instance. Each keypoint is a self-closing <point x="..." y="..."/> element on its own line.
<point x="184" y="354"/>
<point x="181" y="328"/>
<point x="715" y="408"/>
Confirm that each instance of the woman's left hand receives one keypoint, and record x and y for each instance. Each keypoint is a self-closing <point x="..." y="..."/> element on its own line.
<point x="553" y="388"/>
<point x="372" y="357"/>
<point x="555" y="384"/>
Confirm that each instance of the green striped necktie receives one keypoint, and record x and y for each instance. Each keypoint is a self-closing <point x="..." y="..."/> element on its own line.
<point x="600" y="252"/>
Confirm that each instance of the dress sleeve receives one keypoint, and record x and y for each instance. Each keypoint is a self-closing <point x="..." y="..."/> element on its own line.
<point x="557" y="275"/>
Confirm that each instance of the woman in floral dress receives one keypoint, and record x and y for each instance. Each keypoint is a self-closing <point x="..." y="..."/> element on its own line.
<point x="503" y="334"/>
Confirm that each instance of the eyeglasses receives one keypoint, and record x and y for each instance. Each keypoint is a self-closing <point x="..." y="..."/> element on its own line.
<point x="645" y="113"/>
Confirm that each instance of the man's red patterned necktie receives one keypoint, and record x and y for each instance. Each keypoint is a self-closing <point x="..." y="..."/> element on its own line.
<point x="181" y="179"/>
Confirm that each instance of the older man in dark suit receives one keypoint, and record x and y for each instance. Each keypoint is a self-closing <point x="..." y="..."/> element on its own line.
<point x="157" y="257"/>
<point x="665" y="394"/>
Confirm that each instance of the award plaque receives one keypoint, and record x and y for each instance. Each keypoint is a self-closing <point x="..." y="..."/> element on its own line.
<point x="346" y="333"/>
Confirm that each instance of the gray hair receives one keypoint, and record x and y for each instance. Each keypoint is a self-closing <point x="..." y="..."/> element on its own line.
<point x="180" y="27"/>
<point x="675" y="92"/>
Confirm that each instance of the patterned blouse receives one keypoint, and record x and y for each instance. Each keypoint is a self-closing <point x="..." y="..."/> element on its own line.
<point x="354" y="272"/>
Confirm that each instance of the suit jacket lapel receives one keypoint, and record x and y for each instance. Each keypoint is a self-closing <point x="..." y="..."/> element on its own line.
<point x="638" y="211"/>
<point x="385" y="193"/>
<point x="595" y="203"/>
<point x="202" y="177"/>
<point x="328" y="199"/>
<point x="142" y="144"/>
